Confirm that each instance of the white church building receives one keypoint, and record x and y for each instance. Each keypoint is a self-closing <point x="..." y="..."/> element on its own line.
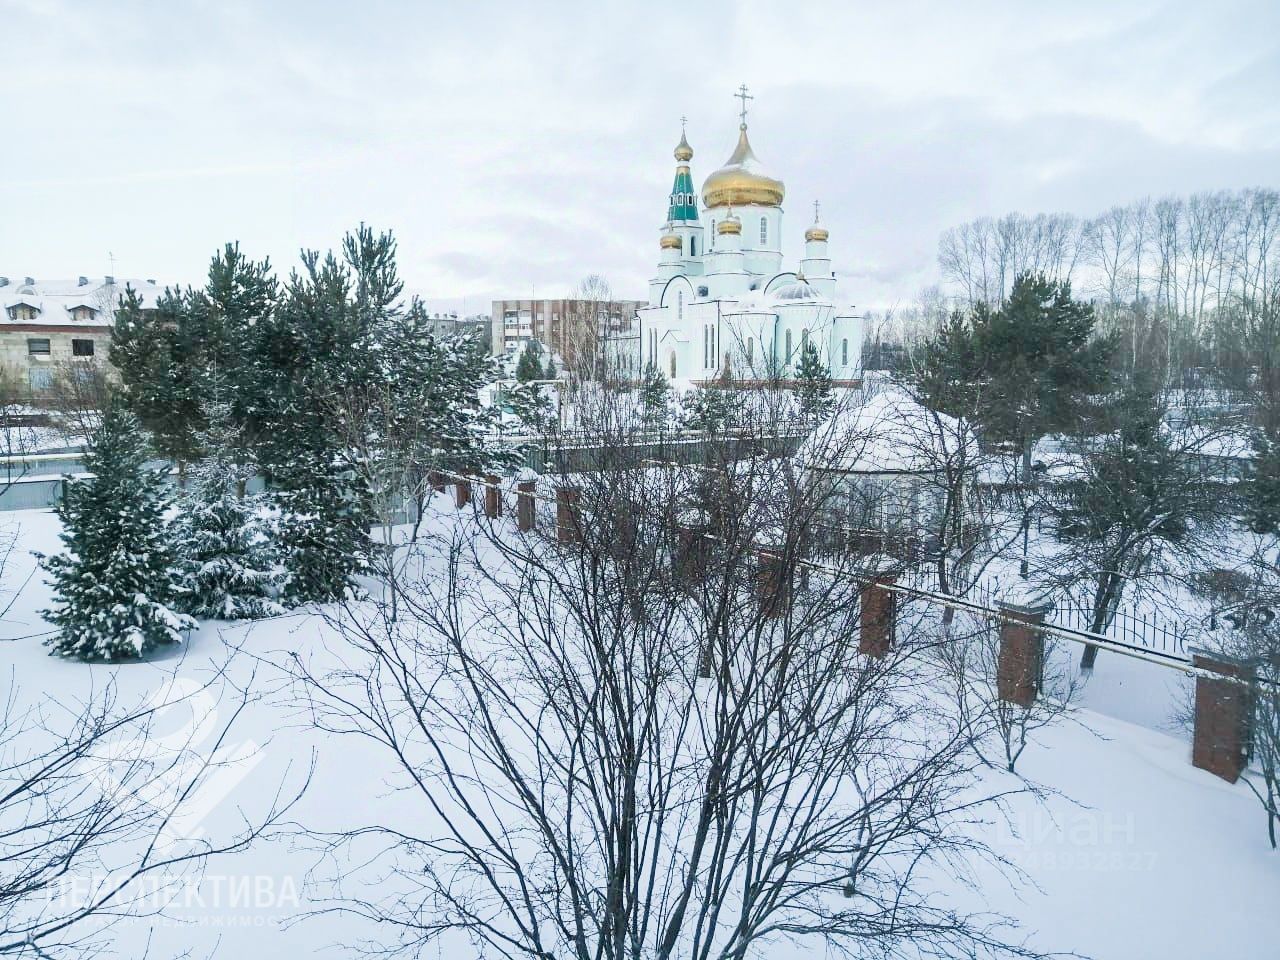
<point x="722" y="305"/>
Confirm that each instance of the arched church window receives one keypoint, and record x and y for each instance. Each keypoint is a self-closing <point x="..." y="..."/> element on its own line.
<point x="804" y="338"/>
<point x="751" y="343"/>
<point x="673" y="365"/>
<point x="844" y="352"/>
<point x="693" y="246"/>
<point x="764" y="231"/>
<point x="787" y="358"/>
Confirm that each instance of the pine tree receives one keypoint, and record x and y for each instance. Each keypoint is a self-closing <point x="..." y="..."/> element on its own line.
<point x="655" y="398"/>
<point x="1040" y="360"/>
<point x="324" y="526"/>
<point x="320" y="347"/>
<point x="158" y="353"/>
<point x="113" y="586"/>
<point x="550" y="373"/>
<point x="1261" y="487"/>
<point x="813" y="382"/>
<point x="529" y="367"/>
<point x="709" y="409"/>
<point x="229" y="565"/>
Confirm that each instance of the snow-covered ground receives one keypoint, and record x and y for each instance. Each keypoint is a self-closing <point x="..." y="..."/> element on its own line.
<point x="1134" y="854"/>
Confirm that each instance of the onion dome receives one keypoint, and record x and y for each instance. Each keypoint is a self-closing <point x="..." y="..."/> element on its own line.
<point x="742" y="180"/>
<point x="682" y="206"/>
<point x="816" y="232"/>
<point x="730" y="225"/>
<point x="670" y="241"/>
<point x="684" y="152"/>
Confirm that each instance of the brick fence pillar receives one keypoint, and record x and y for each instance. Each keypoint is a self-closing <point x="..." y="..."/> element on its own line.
<point x="492" y="497"/>
<point x="568" y="516"/>
<point x="773" y="581"/>
<point x="877" y="616"/>
<point x="524" y="505"/>
<point x="1020" y="662"/>
<point x="461" y="493"/>
<point x="1223" y="712"/>
<point x="436" y="479"/>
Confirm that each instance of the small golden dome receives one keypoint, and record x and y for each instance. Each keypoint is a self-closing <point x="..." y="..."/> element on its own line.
<point x="729" y="224"/>
<point x="684" y="152"/>
<point x="670" y="241"/>
<point x="816" y="233"/>
<point x="740" y="181"/>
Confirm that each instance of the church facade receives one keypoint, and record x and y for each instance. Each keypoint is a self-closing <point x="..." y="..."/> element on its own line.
<point x="722" y="304"/>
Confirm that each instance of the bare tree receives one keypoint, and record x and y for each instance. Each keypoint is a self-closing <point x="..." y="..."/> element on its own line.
<point x="654" y="737"/>
<point x="972" y="663"/>
<point x="100" y="801"/>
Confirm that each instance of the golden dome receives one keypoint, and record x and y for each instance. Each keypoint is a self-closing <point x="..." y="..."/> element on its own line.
<point x="816" y="233"/>
<point x="729" y="224"/>
<point x="740" y="181"/>
<point x="670" y="241"/>
<point x="684" y="152"/>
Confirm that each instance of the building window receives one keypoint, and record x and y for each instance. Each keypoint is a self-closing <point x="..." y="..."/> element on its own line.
<point x="41" y="378"/>
<point x="804" y="338"/>
<point x="693" y="246"/>
<point x="673" y="365"/>
<point x="764" y="231"/>
<point x="82" y="313"/>
<point x="844" y="352"/>
<point x="82" y="348"/>
<point x="787" y="357"/>
<point x="751" y="343"/>
<point x="38" y="347"/>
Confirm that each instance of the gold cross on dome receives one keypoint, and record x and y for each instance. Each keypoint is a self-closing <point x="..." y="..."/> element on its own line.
<point x="744" y="97"/>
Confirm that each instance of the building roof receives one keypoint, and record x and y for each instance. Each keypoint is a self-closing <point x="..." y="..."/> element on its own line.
<point x="890" y="433"/>
<point x="55" y="301"/>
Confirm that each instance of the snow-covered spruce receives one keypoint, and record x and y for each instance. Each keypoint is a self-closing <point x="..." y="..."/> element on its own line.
<point x="229" y="564"/>
<point x="114" y="586"/>
<point x="324" y="527"/>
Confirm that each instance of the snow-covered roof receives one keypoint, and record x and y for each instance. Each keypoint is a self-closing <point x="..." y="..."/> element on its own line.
<point x="55" y="302"/>
<point x="889" y="432"/>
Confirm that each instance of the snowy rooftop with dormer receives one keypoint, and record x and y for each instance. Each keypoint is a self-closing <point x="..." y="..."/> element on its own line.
<point x="56" y="302"/>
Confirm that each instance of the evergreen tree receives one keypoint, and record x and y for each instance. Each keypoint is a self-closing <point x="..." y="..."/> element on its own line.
<point x="1040" y="361"/>
<point x="947" y="369"/>
<point x="158" y="353"/>
<point x="227" y="315"/>
<point x="813" y="382"/>
<point x="529" y="366"/>
<point x="550" y="373"/>
<point x="323" y="345"/>
<point x="532" y="407"/>
<point x="709" y="409"/>
<point x="655" y="397"/>
<point x="113" y="587"/>
<point x="229" y="565"/>
<point x="324" y="526"/>
<point x="1262" y="483"/>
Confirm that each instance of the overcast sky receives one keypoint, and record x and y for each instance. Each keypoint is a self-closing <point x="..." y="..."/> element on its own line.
<point x="516" y="147"/>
